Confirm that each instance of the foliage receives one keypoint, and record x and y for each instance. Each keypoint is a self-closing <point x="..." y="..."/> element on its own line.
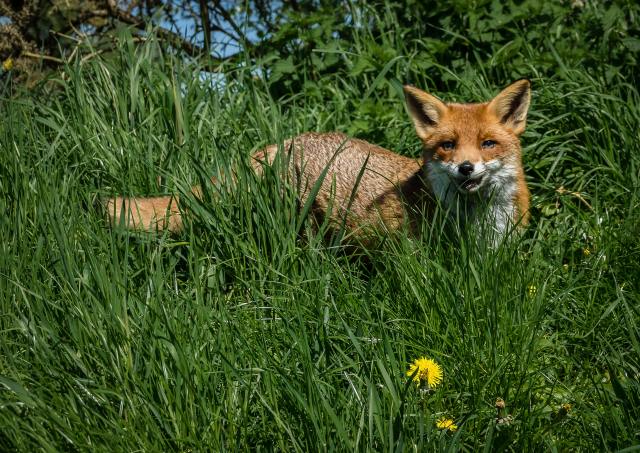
<point x="245" y="332"/>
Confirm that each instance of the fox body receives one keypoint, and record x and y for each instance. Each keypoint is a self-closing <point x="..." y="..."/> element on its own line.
<point x="471" y="166"/>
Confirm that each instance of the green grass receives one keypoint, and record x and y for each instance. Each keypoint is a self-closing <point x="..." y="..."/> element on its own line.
<point x="245" y="332"/>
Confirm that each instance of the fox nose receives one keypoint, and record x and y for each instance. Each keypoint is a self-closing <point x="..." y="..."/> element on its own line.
<point x="466" y="168"/>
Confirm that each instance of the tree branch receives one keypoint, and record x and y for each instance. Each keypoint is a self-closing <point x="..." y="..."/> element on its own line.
<point x="206" y="25"/>
<point x="209" y="63"/>
<point x="163" y="33"/>
<point x="110" y="9"/>
<point x="223" y="12"/>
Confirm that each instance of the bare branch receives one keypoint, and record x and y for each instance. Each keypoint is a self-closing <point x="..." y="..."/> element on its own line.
<point x="163" y="33"/>
<point x="206" y="25"/>
<point x="225" y="14"/>
<point x="40" y="56"/>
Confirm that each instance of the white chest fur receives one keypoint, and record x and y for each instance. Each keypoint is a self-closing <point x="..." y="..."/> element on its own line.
<point x="491" y="206"/>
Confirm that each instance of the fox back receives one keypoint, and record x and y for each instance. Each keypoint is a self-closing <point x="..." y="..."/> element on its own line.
<point x="471" y="166"/>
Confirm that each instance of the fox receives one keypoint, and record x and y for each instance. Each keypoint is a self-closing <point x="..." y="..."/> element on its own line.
<point x="471" y="166"/>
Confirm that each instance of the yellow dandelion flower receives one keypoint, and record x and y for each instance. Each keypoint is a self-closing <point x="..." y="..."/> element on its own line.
<point x="566" y="407"/>
<point x="428" y="372"/>
<point x="586" y="251"/>
<point x="7" y="64"/>
<point x="532" y="290"/>
<point x="446" y="423"/>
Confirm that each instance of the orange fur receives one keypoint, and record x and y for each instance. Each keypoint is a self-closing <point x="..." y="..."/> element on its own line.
<point x="479" y="139"/>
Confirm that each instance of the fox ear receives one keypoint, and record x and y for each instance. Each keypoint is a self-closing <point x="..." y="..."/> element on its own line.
<point x="512" y="104"/>
<point x="425" y="110"/>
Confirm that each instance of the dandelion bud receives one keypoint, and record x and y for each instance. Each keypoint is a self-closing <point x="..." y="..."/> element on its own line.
<point x="7" y="64"/>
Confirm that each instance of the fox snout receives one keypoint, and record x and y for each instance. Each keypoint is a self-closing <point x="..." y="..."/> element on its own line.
<point x="470" y="176"/>
<point x="465" y="168"/>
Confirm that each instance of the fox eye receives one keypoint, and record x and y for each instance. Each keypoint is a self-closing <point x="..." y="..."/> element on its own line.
<point x="448" y="146"/>
<point x="488" y="144"/>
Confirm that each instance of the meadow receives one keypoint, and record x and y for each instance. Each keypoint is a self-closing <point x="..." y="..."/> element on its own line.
<point x="248" y="330"/>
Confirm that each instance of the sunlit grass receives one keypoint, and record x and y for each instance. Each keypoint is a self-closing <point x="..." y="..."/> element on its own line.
<point x="247" y="332"/>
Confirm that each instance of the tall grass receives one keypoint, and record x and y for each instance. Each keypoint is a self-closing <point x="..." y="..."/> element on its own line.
<point x="247" y="332"/>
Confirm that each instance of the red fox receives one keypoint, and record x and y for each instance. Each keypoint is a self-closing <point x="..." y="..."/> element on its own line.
<point x="471" y="166"/>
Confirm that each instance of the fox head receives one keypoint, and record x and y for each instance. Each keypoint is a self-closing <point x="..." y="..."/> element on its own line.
<point x="471" y="148"/>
